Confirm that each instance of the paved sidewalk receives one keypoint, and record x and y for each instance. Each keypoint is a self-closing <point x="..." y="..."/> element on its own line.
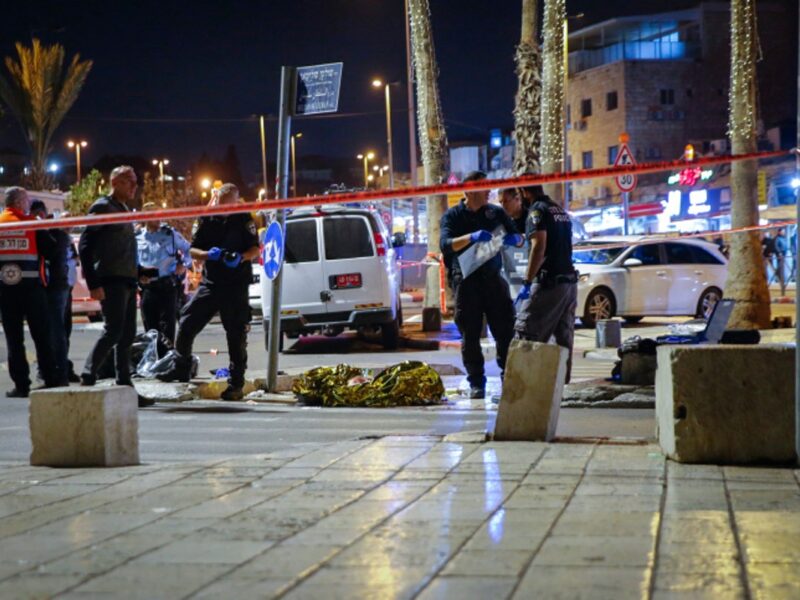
<point x="403" y="517"/>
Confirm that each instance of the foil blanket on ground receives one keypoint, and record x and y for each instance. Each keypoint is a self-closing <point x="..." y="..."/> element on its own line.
<point x="410" y="383"/>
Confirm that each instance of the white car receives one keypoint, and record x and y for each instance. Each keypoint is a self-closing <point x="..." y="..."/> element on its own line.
<point x="340" y="272"/>
<point x="637" y="277"/>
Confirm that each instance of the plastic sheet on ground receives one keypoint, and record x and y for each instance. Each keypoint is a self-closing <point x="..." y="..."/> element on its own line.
<point x="479" y="253"/>
<point x="410" y="383"/>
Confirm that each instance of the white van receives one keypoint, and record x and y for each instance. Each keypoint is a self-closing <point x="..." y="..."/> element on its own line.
<point x="339" y="272"/>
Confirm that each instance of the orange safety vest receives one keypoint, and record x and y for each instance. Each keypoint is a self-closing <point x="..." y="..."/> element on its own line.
<point x="19" y="254"/>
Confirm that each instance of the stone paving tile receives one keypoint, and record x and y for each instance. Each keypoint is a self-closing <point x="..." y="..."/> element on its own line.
<point x="711" y="585"/>
<point x="459" y="588"/>
<point x="489" y="563"/>
<point x="771" y="548"/>
<point x="583" y="583"/>
<point x="231" y="587"/>
<point x="608" y="524"/>
<point x="203" y="551"/>
<point x="596" y="550"/>
<point x="38" y="585"/>
<point x="373" y="581"/>
<point x="774" y="581"/>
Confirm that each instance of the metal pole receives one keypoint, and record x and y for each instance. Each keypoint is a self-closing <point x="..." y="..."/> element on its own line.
<point x="294" y="169"/>
<point x="797" y="271"/>
<point x="264" y="158"/>
<point x="78" y="159"/>
<point x="412" y="128"/>
<point x="389" y="136"/>
<point x="284" y="135"/>
<point x="625" y="201"/>
<point x="366" y="172"/>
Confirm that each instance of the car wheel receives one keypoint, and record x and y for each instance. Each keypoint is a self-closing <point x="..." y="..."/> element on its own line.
<point x="632" y="320"/>
<point x="708" y="300"/>
<point x="390" y="334"/>
<point x="599" y="305"/>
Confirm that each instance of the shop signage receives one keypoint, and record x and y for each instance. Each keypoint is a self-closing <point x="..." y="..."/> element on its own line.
<point x="689" y="177"/>
<point x="698" y="204"/>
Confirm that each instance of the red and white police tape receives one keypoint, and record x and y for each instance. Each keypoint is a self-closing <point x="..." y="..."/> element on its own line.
<point x="190" y="212"/>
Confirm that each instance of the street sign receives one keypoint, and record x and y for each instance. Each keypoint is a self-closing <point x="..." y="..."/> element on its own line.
<point x="317" y="89"/>
<point x="626" y="182"/>
<point x="452" y="179"/>
<point x="272" y="255"/>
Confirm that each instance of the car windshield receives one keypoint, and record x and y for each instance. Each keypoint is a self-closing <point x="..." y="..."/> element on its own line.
<point x="586" y="254"/>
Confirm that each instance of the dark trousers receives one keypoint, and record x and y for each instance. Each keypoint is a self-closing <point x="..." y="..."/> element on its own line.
<point x="232" y="304"/>
<point x="57" y="301"/>
<point x="18" y="304"/>
<point x="550" y="311"/>
<point x="158" y="307"/>
<point x="119" y="330"/>
<point x="68" y="329"/>
<point x="478" y="295"/>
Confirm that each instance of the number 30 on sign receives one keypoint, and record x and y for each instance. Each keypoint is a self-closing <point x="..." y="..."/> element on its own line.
<point x="626" y="182"/>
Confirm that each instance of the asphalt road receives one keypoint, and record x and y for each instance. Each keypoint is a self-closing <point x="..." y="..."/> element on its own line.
<point x="181" y="433"/>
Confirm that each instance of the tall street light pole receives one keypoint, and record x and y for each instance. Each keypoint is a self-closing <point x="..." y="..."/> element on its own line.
<point x="264" y="157"/>
<point x="412" y="128"/>
<point x="294" y="163"/>
<point x="377" y="83"/>
<point x="366" y="157"/>
<point x="77" y="146"/>
<point x="160" y="162"/>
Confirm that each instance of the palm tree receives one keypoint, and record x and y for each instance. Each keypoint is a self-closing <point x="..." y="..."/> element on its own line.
<point x="39" y="91"/>
<point x="527" y="112"/>
<point x="553" y="89"/>
<point x="747" y="282"/>
<point x="433" y="141"/>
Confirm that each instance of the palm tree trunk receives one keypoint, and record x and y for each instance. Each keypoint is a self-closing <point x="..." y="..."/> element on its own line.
<point x="527" y="111"/>
<point x="747" y="282"/>
<point x="433" y="142"/>
<point x="552" y="150"/>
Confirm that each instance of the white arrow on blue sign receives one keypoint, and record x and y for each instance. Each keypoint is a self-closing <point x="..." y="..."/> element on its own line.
<point x="272" y="255"/>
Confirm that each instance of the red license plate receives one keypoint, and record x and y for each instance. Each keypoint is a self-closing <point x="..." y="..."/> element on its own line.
<point x="348" y="280"/>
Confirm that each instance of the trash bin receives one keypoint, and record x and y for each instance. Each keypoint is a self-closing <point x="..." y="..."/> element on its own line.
<point x="608" y="333"/>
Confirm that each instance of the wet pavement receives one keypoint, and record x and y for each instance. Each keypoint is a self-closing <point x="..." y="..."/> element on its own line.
<point x="404" y="517"/>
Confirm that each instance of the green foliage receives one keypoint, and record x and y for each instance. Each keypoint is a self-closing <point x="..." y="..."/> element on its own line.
<point x="39" y="90"/>
<point x="81" y="195"/>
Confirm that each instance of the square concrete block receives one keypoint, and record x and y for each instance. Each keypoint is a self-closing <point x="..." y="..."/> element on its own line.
<point x="85" y="427"/>
<point x="726" y="404"/>
<point x="532" y="390"/>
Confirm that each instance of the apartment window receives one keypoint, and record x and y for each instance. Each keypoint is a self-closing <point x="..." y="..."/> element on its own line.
<point x="586" y="160"/>
<point x="586" y="108"/>
<point x="611" y="100"/>
<point x="667" y="96"/>
<point x="652" y="152"/>
<point x="612" y="154"/>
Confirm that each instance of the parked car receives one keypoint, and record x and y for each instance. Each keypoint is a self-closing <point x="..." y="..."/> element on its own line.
<point x="254" y="291"/>
<point x="340" y="273"/>
<point x="638" y="277"/>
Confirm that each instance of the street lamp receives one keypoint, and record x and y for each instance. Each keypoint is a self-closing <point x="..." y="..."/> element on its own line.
<point x="366" y="158"/>
<point x="78" y="146"/>
<point x="377" y="83"/>
<point x="294" y="162"/>
<point x="160" y="162"/>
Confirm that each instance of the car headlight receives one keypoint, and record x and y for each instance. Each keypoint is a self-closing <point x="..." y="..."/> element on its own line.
<point x="583" y="277"/>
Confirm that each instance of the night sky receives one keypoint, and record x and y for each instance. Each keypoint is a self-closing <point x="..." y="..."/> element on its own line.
<point x="175" y="78"/>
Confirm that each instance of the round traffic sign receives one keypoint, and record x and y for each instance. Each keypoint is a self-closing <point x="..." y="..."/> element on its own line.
<point x="272" y="254"/>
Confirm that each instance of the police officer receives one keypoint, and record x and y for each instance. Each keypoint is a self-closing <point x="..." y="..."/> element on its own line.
<point x="109" y="259"/>
<point x="548" y="298"/>
<point x="485" y="291"/>
<point x="227" y="244"/>
<point x="23" y="296"/>
<point x="165" y="253"/>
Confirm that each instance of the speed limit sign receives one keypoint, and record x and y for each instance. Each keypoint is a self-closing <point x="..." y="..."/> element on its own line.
<point x="626" y="182"/>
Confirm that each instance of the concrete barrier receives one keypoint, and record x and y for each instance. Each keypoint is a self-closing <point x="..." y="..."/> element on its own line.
<point x="532" y="390"/>
<point x="726" y="404"/>
<point x="84" y="427"/>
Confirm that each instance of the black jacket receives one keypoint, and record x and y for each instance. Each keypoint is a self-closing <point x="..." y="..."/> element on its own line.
<point x="108" y="252"/>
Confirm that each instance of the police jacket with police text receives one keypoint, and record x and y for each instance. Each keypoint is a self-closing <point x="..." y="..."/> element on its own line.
<point x="232" y="233"/>
<point x="548" y="216"/>
<point x="108" y="252"/>
<point x="459" y="220"/>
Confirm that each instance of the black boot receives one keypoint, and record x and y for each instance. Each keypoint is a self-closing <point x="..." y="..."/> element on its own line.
<point x="232" y="394"/>
<point x="180" y="371"/>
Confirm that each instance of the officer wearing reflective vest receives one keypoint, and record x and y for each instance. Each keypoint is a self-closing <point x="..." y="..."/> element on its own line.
<point x="228" y="244"/>
<point x="23" y="297"/>
<point x="546" y="304"/>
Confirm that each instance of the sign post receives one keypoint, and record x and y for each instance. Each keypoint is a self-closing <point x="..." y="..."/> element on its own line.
<point x="627" y="182"/>
<point x="304" y="91"/>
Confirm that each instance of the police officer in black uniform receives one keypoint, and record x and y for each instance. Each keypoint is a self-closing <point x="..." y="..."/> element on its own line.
<point x="485" y="291"/>
<point x="548" y="298"/>
<point x="227" y="244"/>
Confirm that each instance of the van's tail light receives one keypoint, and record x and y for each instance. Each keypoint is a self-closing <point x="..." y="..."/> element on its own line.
<point x="380" y="243"/>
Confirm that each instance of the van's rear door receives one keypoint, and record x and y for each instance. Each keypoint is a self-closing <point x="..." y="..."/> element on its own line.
<point x="303" y="278"/>
<point x="353" y="270"/>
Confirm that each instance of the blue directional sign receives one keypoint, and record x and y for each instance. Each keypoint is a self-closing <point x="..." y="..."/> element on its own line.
<point x="272" y="254"/>
<point x="318" y="89"/>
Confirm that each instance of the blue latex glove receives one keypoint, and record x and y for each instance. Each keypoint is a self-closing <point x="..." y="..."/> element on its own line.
<point x="214" y="254"/>
<point x="480" y="236"/>
<point x="524" y="294"/>
<point x="233" y="260"/>
<point x="512" y="239"/>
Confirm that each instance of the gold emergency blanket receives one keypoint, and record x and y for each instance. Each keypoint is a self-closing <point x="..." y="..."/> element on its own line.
<point x="410" y="383"/>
